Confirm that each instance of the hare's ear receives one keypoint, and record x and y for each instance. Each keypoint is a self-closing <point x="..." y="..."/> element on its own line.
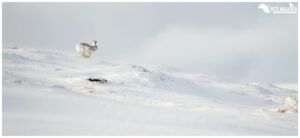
<point x="95" y="41"/>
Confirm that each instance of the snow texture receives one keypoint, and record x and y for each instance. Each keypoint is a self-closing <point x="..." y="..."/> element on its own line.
<point x="60" y="93"/>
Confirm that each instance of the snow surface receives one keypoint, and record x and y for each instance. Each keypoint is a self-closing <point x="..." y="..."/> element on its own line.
<point x="47" y="93"/>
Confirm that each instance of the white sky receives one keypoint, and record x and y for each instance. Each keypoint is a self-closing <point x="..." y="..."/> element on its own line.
<point x="234" y="41"/>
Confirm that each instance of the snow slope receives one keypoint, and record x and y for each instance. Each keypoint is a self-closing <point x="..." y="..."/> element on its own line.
<point x="47" y="93"/>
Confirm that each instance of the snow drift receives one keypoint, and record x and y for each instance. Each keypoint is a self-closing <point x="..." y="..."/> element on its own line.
<point x="60" y="93"/>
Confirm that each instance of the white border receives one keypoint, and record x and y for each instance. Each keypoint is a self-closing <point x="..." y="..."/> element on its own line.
<point x="145" y="1"/>
<point x="148" y="1"/>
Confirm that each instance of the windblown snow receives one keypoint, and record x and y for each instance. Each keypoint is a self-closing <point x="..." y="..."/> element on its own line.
<point x="60" y="93"/>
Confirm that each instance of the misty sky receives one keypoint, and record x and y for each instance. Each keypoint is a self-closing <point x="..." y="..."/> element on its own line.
<point x="233" y="41"/>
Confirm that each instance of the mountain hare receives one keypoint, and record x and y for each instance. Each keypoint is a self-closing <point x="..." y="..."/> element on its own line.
<point x="85" y="49"/>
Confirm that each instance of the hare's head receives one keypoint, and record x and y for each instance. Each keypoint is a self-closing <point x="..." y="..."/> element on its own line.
<point x="95" y="45"/>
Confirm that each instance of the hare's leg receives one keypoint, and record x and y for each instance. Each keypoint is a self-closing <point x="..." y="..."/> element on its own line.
<point x="82" y="54"/>
<point x="86" y="54"/>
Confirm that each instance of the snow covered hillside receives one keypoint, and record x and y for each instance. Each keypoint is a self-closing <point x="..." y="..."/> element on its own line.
<point x="61" y="93"/>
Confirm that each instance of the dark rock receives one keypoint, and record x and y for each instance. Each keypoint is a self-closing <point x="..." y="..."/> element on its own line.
<point x="97" y="80"/>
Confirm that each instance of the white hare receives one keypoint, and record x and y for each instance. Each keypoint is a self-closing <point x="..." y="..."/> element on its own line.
<point x="85" y="49"/>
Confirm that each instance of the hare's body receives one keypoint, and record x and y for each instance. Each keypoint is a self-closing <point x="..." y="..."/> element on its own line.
<point x="85" y="49"/>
